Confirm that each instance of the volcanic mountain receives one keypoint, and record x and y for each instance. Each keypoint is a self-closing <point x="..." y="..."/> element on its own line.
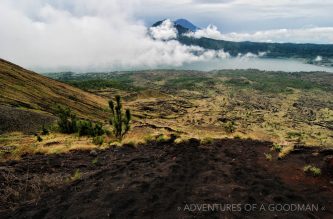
<point x="305" y="51"/>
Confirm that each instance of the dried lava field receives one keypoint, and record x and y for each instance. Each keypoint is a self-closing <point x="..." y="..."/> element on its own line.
<point x="158" y="180"/>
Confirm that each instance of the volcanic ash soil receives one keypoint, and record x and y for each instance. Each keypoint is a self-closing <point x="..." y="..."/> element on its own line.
<point x="167" y="180"/>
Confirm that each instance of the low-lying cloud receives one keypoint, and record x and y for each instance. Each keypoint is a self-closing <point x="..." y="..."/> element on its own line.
<point x="165" y="31"/>
<point x="82" y="35"/>
<point x="49" y="37"/>
<point x="302" y="35"/>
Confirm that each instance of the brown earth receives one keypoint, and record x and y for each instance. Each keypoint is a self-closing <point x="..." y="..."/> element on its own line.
<point x="24" y="88"/>
<point x="158" y="180"/>
<point x="18" y="120"/>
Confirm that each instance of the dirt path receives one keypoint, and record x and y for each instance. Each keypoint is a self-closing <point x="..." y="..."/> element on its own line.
<point x="176" y="181"/>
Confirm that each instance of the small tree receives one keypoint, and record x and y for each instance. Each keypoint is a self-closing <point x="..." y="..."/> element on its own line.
<point x="67" y="120"/>
<point x="119" y="120"/>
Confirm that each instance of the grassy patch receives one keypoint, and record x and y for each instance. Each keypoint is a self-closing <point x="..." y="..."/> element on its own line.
<point x="276" y="82"/>
<point x="314" y="171"/>
<point x="276" y="147"/>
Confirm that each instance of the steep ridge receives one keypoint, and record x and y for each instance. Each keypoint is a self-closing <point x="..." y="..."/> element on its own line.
<point x="24" y="89"/>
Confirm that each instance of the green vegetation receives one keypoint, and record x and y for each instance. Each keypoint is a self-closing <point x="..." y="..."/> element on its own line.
<point x="119" y="120"/>
<point x="276" y="106"/>
<point x="161" y="139"/>
<point x="98" y="140"/>
<point x="87" y="128"/>
<point x="315" y="171"/>
<point x="67" y="122"/>
<point x="270" y="82"/>
<point x="276" y="147"/>
<point x="275" y="50"/>
<point x="230" y="126"/>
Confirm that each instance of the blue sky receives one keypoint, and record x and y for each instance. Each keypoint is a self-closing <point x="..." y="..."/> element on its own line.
<point x="83" y="35"/>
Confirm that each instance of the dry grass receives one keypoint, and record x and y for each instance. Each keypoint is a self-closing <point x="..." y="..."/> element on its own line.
<point x="51" y="144"/>
<point x="294" y="117"/>
<point x="24" y="88"/>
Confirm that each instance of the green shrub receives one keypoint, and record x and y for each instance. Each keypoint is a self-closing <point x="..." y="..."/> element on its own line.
<point x="119" y="120"/>
<point x="67" y="122"/>
<point x="87" y="128"/>
<point x="230" y="127"/>
<point x="149" y="138"/>
<point x="276" y="147"/>
<point x="161" y="139"/>
<point x="98" y="140"/>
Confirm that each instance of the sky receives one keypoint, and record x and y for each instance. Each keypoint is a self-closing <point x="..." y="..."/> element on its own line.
<point x="87" y="35"/>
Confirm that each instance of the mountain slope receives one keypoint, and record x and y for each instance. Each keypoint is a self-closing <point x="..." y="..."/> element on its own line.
<point x="186" y="24"/>
<point x="183" y="26"/>
<point x="21" y="88"/>
<point x="272" y="50"/>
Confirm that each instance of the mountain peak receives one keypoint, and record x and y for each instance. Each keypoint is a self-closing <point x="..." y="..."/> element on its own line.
<point x="186" y="24"/>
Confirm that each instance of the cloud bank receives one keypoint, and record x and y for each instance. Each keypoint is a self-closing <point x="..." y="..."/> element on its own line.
<point x="303" y="35"/>
<point x="85" y="35"/>
<point x="47" y="36"/>
<point x="165" y="31"/>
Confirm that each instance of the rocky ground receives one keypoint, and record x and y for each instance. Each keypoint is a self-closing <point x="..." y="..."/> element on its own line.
<point x="164" y="180"/>
<point x="27" y="121"/>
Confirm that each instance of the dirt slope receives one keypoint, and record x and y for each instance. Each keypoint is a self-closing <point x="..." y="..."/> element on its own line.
<point x="26" y="121"/>
<point x="158" y="180"/>
<point x="24" y="88"/>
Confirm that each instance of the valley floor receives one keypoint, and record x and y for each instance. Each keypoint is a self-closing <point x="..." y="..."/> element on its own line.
<point x="164" y="180"/>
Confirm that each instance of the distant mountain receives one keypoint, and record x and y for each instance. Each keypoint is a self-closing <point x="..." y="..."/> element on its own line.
<point x="186" y="24"/>
<point x="272" y="50"/>
<point x="182" y="26"/>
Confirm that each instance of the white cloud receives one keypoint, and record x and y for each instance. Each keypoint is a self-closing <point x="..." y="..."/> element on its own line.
<point x="318" y="59"/>
<point x="302" y="35"/>
<point x="210" y="32"/>
<point x="165" y="31"/>
<point x="82" y="35"/>
<point x="49" y="37"/>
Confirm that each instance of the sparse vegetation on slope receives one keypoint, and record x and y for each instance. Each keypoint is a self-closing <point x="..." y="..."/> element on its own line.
<point x="287" y="108"/>
<point x="22" y="88"/>
<point x="120" y="121"/>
